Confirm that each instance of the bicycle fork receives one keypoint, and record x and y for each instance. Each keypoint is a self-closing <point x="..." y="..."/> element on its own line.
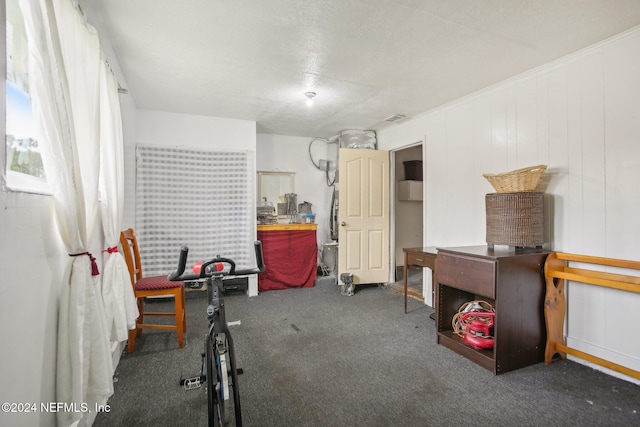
<point x="217" y="322"/>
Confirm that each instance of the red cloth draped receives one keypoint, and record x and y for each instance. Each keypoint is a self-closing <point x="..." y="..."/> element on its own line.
<point x="291" y="259"/>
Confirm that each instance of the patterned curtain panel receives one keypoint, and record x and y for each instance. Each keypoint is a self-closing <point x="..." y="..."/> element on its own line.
<point x="198" y="198"/>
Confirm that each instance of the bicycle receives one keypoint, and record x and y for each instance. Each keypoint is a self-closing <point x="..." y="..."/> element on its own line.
<point x="219" y="353"/>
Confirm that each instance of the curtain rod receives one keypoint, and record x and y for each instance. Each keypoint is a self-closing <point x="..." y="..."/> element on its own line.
<point x="121" y="90"/>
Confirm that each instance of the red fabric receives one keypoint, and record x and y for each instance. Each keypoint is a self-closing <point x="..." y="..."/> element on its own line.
<point x="94" y="265"/>
<point x="155" y="283"/>
<point x="290" y="257"/>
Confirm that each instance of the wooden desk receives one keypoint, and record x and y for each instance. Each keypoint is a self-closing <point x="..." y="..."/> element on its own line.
<point x="421" y="257"/>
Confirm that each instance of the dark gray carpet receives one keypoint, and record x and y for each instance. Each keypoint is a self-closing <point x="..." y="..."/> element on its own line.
<point x="312" y="357"/>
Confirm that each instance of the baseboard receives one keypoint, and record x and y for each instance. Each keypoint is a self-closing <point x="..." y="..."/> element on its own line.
<point x="607" y="354"/>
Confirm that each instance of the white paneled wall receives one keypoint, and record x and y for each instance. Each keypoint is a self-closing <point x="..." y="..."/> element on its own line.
<point x="581" y="117"/>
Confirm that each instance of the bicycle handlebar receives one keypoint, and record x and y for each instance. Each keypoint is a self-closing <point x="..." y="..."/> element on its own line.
<point x="178" y="276"/>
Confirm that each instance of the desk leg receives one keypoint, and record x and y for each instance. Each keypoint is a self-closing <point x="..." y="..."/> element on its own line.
<point x="433" y="288"/>
<point x="406" y="259"/>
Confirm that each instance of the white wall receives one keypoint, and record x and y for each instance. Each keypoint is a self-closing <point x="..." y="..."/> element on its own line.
<point x="181" y="130"/>
<point x="581" y="117"/>
<point x="31" y="260"/>
<point x="291" y="154"/>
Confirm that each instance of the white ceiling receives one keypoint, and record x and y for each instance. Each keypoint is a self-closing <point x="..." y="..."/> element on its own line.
<point x="365" y="59"/>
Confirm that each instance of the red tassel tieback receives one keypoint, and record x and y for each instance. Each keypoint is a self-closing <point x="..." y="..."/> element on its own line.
<point x="94" y="266"/>
<point x="111" y="250"/>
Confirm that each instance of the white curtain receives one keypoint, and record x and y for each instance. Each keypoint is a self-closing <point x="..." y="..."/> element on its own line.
<point x="117" y="292"/>
<point x="195" y="197"/>
<point x="64" y="64"/>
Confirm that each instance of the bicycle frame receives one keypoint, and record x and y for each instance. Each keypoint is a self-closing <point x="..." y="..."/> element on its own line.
<point x="214" y="346"/>
<point x="218" y="342"/>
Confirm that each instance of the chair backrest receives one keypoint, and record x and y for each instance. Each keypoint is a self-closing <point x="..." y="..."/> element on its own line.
<point x="131" y="254"/>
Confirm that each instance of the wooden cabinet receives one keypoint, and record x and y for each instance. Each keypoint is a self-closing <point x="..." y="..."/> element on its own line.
<point x="512" y="281"/>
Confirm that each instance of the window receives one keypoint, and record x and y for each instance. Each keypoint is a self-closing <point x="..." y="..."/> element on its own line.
<point x="24" y="168"/>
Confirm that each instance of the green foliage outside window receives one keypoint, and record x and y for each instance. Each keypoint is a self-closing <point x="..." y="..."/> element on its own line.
<point x="24" y="156"/>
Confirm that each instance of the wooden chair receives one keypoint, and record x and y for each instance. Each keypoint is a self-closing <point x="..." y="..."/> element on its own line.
<point x="151" y="287"/>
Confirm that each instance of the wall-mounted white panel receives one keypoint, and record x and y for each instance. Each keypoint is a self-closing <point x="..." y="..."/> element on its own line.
<point x="558" y="167"/>
<point x="436" y="200"/>
<point x="463" y="198"/>
<point x="586" y="324"/>
<point x="622" y="131"/>
<point x="593" y="152"/>
<point x="542" y="118"/>
<point x="482" y="145"/>
<point x="526" y="122"/>
<point x="575" y="195"/>
<point x="498" y="159"/>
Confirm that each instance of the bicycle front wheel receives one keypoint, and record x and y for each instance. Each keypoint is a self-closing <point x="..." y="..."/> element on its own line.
<point x="224" y="393"/>
<point x="212" y="379"/>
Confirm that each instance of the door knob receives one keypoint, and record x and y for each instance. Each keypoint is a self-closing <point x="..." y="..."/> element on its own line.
<point x="343" y="223"/>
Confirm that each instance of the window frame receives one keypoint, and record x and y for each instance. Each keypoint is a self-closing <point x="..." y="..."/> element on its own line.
<point x="13" y="180"/>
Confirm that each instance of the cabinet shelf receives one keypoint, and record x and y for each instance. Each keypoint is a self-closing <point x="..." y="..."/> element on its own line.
<point x="410" y="191"/>
<point x="453" y="342"/>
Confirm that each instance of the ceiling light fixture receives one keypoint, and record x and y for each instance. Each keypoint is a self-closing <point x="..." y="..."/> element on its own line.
<point x="310" y="96"/>
<point x="394" y="118"/>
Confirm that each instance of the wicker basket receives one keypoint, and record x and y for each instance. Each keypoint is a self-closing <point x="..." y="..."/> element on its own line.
<point x="525" y="179"/>
<point x="515" y="219"/>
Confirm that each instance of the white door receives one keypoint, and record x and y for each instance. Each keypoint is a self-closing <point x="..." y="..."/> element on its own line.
<point x="363" y="215"/>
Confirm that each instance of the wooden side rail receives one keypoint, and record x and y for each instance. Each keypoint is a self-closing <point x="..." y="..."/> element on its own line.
<point x="556" y="271"/>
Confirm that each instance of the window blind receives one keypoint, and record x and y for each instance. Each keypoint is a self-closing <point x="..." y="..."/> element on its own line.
<point x="199" y="198"/>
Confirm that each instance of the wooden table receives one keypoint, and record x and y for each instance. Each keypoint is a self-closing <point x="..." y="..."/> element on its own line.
<point x="290" y="254"/>
<point x="421" y="257"/>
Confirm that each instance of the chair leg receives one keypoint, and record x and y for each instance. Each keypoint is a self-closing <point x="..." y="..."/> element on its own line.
<point x="184" y="306"/>
<point x="132" y="341"/>
<point x="180" y="315"/>
<point x="180" y="324"/>
<point x="140" y="317"/>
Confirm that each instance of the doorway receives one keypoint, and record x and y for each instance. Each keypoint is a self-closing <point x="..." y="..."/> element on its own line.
<point x="407" y="225"/>
<point x="363" y="236"/>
